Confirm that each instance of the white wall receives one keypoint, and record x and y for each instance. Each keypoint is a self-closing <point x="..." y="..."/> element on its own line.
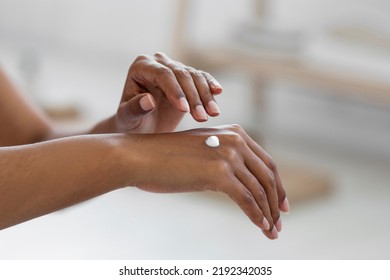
<point x="147" y="25"/>
<point x="117" y="26"/>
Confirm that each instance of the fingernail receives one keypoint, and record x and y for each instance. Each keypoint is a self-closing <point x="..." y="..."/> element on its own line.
<point x="200" y="113"/>
<point x="274" y="233"/>
<point x="285" y="207"/>
<point x="213" y="108"/>
<point x="216" y="84"/>
<point x="183" y="104"/>
<point x="147" y="103"/>
<point x="278" y="225"/>
<point x="265" y="224"/>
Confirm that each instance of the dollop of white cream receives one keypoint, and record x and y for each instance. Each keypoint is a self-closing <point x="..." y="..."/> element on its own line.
<point x="212" y="141"/>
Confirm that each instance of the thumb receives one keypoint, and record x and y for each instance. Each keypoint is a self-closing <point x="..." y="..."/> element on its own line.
<point x="139" y="106"/>
<point x="135" y="109"/>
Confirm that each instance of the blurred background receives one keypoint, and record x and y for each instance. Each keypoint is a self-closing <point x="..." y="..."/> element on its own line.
<point x="308" y="79"/>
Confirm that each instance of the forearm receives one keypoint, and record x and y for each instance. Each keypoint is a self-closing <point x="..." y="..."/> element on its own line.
<point x="41" y="178"/>
<point x="37" y="179"/>
<point x="20" y="121"/>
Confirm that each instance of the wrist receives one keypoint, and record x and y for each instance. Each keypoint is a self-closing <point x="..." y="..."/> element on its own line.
<point x="125" y="150"/>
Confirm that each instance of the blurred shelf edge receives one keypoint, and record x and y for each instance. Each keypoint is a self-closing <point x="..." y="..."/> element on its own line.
<point x="273" y="66"/>
<point x="67" y="113"/>
<point x="303" y="183"/>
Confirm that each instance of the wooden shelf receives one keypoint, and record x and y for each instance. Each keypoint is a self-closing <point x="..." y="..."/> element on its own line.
<point x="270" y="66"/>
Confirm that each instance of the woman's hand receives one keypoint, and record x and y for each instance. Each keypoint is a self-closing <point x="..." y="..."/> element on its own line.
<point x="181" y="162"/>
<point x="159" y="90"/>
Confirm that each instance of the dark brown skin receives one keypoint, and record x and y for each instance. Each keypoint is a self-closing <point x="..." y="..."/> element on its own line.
<point x="43" y="170"/>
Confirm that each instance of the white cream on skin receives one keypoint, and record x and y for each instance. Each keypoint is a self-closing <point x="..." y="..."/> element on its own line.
<point x="212" y="141"/>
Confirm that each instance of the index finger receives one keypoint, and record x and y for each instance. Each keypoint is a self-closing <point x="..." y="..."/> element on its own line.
<point x="155" y="74"/>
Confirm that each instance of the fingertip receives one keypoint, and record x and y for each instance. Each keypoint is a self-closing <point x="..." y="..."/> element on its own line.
<point x="200" y="113"/>
<point x="216" y="90"/>
<point x="137" y="107"/>
<point x="183" y="104"/>
<point x="213" y="108"/>
<point x="278" y="225"/>
<point x="274" y="233"/>
<point x="265" y="224"/>
<point x="215" y="87"/>
<point x="271" y="234"/>
<point x="285" y="206"/>
<point x="147" y="103"/>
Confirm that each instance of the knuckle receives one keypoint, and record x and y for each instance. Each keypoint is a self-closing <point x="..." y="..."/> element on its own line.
<point x="159" y="55"/>
<point x="254" y="182"/>
<point x="197" y="74"/>
<point x="236" y="139"/>
<point x="164" y="71"/>
<point x="246" y="198"/>
<point x="208" y="75"/>
<point x="181" y="73"/>
<point x="271" y="164"/>
<point x="236" y="128"/>
<point x="142" y="57"/>
<point x="189" y="68"/>
<point x="261" y="195"/>
<point x="138" y="60"/>
<point x="232" y="155"/>
<point x="271" y="180"/>
<point x="222" y="168"/>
